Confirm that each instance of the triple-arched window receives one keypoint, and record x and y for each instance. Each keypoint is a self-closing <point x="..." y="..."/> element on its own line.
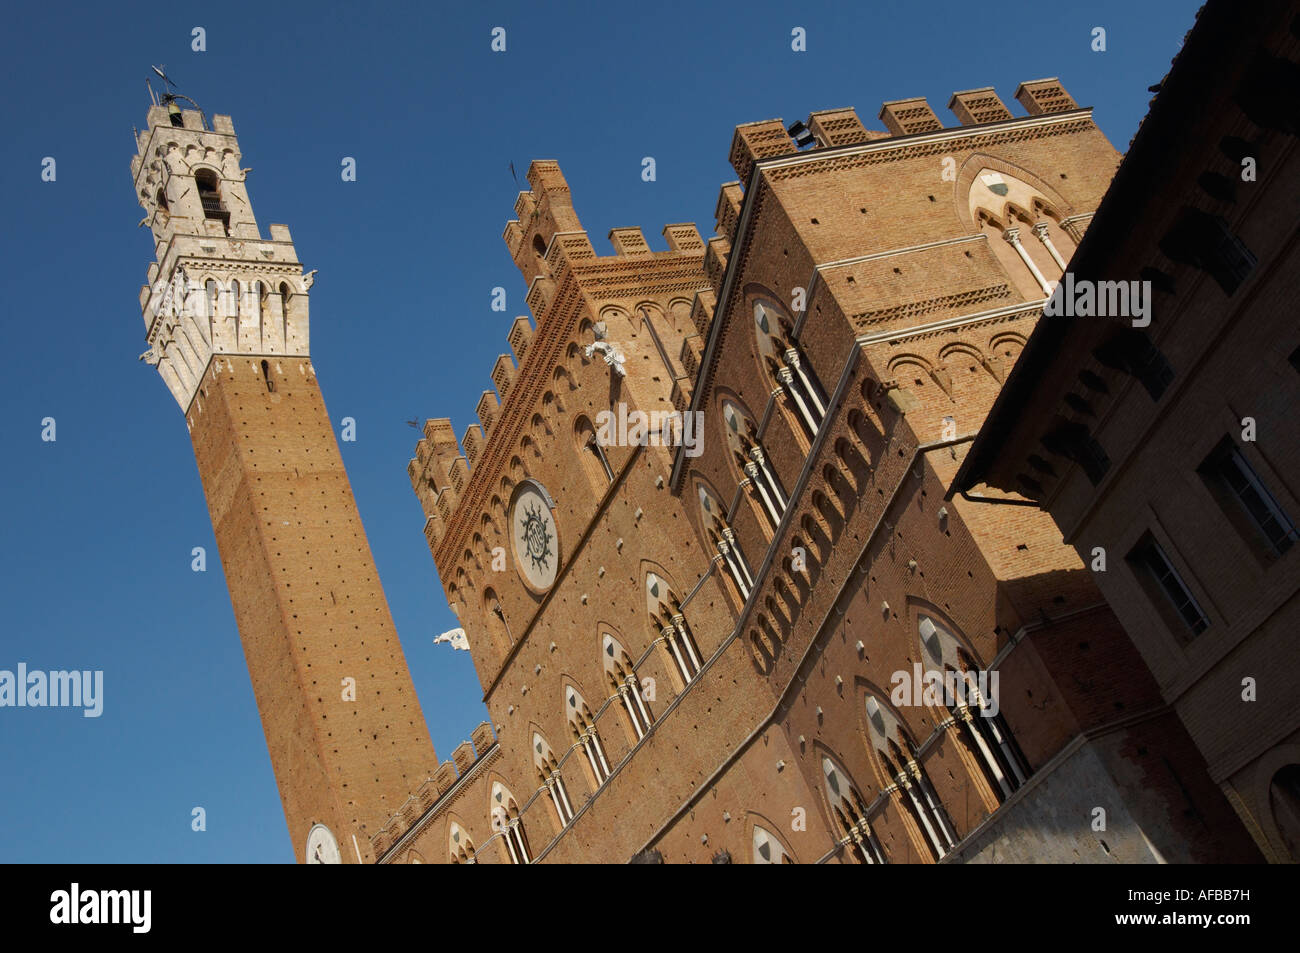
<point x="668" y="619"/>
<point x="971" y="697"/>
<point x="548" y="773"/>
<point x="622" y="678"/>
<point x="1024" y="228"/>
<point x="459" y="845"/>
<point x="896" y="753"/>
<point x="723" y="541"/>
<point x="504" y="812"/>
<point x="582" y="727"/>
<point x="749" y="459"/>
<point x="787" y="367"/>
<point x="851" y="815"/>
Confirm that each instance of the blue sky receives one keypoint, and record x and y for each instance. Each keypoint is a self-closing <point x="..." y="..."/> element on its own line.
<point x="99" y="524"/>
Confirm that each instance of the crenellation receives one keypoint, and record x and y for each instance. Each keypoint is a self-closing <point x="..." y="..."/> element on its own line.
<point x="472" y="443"/>
<point x="445" y="777"/>
<point x="464" y="757"/>
<point x="483" y="738"/>
<point x="841" y="127"/>
<point x="973" y="107"/>
<point x="1044" y="96"/>
<point x="521" y="334"/>
<point x="758" y="140"/>
<point x="726" y="213"/>
<point x="702" y="308"/>
<point x="628" y="242"/>
<point x="715" y="262"/>
<point x="906" y="117"/>
<point x="503" y="374"/>
<point x="488" y="408"/>
<point x="684" y="239"/>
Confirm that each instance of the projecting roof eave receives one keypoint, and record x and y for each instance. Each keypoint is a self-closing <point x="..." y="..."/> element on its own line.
<point x="1203" y="68"/>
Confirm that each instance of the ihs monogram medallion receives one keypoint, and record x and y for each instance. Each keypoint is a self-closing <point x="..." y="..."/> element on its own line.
<point x="533" y="536"/>
<point x="536" y="538"/>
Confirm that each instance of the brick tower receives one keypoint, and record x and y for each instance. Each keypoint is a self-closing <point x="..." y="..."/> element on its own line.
<point x="226" y="320"/>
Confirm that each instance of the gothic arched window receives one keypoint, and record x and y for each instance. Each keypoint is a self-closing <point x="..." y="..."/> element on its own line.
<point x="970" y="694"/>
<point x="459" y="845"/>
<point x="723" y="541"/>
<point x="582" y="726"/>
<point x="750" y="460"/>
<point x="851" y="815"/>
<point x="897" y="756"/>
<point x="504" y="812"/>
<point x="623" y="679"/>
<point x="592" y="455"/>
<point x="548" y="772"/>
<point x="667" y="618"/>
<point x="1023" y="228"/>
<point x="788" y="368"/>
<point x="767" y="849"/>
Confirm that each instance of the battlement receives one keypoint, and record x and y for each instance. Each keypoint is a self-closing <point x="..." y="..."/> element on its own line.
<point x="550" y="247"/>
<point x="832" y="128"/>
<point x="432" y="468"/>
<point x="426" y="799"/>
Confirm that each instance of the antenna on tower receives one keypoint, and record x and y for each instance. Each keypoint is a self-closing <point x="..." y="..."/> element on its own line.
<point x="165" y="78"/>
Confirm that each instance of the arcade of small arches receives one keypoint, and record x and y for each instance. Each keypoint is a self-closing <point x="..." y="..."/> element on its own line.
<point x="628" y="702"/>
<point x="1008" y="211"/>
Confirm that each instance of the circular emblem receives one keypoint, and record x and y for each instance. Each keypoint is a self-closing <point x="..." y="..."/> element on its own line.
<point x="322" y="848"/>
<point x="533" y="535"/>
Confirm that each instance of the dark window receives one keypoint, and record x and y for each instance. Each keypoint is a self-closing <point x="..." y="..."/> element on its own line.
<point x="1204" y="241"/>
<point x="1234" y="482"/>
<point x="210" y="197"/>
<point x="1151" y="561"/>
<point x="1072" y="440"/>
<point x="1133" y="352"/>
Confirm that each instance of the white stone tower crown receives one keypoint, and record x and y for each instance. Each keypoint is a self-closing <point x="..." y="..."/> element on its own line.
<point x="217" y="287"/>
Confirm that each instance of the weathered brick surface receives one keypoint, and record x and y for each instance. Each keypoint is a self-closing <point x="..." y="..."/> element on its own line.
<point x="308" y="602"/>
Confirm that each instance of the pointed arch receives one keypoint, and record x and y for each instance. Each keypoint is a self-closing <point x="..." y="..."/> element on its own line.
<point x="668" y="621"/>
<point x="592" y="456"/>
<point x="620" y="675"/>
<point x="721" y="540"/>
<point x="803" y="399"/>
<point x="766" y="845"/>
<point x="849" y="812"/>
<point x="503" y="810"/>
<point x="582" y="728"/>
<point x="970" y="694"/>
<point x="895" y="753"/>
<point x="460" y="846"/>
<point x="547" y="767"/>
<point x="750" y="464"/>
